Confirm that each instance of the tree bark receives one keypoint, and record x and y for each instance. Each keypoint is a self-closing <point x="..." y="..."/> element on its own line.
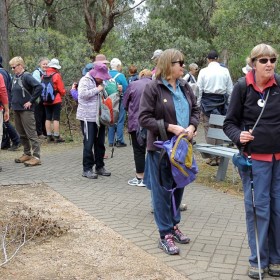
<point x="4" y="44"/>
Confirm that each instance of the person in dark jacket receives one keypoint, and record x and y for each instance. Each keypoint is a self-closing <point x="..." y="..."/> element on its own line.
<point x="131" y="105"/>
<point x="25" y="91"/>
<point x="262" y="142"/>
<point x="168" y="98"/>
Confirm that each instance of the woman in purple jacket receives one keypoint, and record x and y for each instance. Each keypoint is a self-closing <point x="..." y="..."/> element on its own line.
<point x="171" y="99"/>
<point x="131" y="105"/>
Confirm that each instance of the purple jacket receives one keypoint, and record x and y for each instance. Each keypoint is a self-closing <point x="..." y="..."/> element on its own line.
<point x="131" y="101"/>
<point x="157" y="103"/>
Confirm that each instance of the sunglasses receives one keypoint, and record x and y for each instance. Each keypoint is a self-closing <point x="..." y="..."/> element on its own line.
<point x="14" y="67"/>
<point x="181" y="62"/>
<point x="265" y="60"/>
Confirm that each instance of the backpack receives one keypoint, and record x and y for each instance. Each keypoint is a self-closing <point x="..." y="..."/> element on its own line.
<point x="111" y="85"/>
<point x="109" y="108"/>
<point x="180" y="154"/>
<point x="48" y="92"/>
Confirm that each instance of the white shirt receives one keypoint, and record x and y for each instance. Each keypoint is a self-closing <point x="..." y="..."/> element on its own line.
<point x="214" y="79"/>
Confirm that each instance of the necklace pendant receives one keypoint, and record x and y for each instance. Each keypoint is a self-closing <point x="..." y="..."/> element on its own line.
<point x="261" y="103"/>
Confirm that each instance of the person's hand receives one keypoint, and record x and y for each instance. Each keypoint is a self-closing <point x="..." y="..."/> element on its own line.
<point x="27" y="105"/>
<point x="176" y="129"/>
<point x="246" y="136"/>
<point x="6" y="115"/>
<point x="100" y="88"/>
<point x="190" y="130"/>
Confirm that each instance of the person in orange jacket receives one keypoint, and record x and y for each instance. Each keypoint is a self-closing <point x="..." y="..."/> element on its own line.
<point x="53" y="110"/>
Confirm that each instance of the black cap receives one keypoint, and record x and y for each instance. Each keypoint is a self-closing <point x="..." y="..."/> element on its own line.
<point x="213" y="55"/>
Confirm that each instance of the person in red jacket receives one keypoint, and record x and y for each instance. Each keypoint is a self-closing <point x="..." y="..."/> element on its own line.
<point x="53" y="110"/>
<point x="4" y="104"/>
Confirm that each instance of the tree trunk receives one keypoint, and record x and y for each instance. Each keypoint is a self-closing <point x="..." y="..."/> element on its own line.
<point x="4" y="45"/>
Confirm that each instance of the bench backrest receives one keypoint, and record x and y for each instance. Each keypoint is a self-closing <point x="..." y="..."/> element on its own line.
<point x="217" y="131"/>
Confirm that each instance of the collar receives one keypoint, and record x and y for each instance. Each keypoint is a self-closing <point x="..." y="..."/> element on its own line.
<point x="251" y="80"/>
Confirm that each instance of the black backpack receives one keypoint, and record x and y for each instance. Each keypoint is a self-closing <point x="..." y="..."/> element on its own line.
<point x="48" y="93"/>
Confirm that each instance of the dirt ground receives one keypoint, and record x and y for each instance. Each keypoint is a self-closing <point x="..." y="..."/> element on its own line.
<point x="89" y="250"/>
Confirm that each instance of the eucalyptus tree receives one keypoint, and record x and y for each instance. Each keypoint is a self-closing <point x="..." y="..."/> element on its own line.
<point x="241" y="25"/>
<point x="4" y="46"/>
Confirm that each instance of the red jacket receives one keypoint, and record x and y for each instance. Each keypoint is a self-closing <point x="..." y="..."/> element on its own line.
<point x="3" y="93"/>
<point x="58" y="85"/>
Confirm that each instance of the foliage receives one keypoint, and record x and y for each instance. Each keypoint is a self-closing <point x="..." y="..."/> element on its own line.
<point x="243" y="24"/>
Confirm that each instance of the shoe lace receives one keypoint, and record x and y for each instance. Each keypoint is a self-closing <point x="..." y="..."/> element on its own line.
<point x="179" y="234"/>
<point x="170" y="241"/>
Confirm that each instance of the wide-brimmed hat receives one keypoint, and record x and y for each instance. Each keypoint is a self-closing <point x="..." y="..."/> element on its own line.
<point x="100" y="71"/>
<point x="156" y="54"/>
<point x="54" y="63"/>
<point x="100" y="58"/>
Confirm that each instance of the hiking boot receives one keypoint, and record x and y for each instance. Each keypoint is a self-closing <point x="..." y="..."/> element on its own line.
<point x="32" y="162"/>
<point x="58" y="139"/>
<point x="120" y="144"/>
<point x="180" y="237"/>
<point x="50" y="138"/>
<point x="14" y="147"/>
<point x="102" y="171"/>
<point x="168" y="246"/>
<point x="23" y="158"/>
<point x="90" y="174"/>
<point x="183" y="207"/>
<point x="274" y="270"/>
<point x="254" y="272"/>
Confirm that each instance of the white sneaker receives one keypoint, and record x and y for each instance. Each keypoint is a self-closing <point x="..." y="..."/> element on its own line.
<point x="134" y="182"/>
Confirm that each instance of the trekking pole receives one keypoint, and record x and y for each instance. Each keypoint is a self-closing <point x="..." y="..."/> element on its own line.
<point x="255" y="217"/>
<point x="68" y="120"/>
<point x="114" y="142"/>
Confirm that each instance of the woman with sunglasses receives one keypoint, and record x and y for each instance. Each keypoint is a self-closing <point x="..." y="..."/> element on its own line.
<point x="168" y="98"/>
<point x="262" y="143"/>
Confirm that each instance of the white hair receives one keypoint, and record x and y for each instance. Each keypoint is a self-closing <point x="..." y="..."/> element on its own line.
<point x="115" y="62"/>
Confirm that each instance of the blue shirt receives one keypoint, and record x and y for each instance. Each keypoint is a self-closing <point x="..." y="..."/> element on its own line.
<point x="181" y="104"/>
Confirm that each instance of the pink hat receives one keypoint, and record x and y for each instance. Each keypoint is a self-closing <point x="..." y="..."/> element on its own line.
<point x="100" y="71"/>
<point x="100" y="58"/>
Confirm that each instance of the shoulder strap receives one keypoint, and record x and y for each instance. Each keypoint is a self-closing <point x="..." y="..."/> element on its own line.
<point x="243" y="88"/>
<point x="162" y="130"/>
<point x="116" y="76"/>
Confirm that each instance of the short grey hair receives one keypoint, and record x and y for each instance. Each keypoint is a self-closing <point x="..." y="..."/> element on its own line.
<point x="193" y="66"/>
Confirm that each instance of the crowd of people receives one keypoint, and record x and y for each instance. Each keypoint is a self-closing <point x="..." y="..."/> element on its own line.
<point x="179" y="100"/>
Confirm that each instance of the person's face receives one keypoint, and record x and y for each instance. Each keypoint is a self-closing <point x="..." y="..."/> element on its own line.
<point x="44" y="65"/>
<point x="17" y="68"/>
<point x="98" y="81"/>
<point x="194" y="71"/>
<point x="177" y="68"/>
<point x="264" y="66"/>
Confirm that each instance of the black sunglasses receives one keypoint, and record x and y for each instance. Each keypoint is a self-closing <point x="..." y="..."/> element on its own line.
<point x="181" y="62"/>
<point x="265" y="60"/>
<point x="14" y="67"/>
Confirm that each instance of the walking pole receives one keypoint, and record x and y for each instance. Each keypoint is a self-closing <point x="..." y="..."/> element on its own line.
<point x="68" y="120"/>
<point x="255" y="216"/>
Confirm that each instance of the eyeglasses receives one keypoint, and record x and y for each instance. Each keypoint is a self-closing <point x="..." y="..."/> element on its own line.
<point x="265" y="60"/>
<point x="14" y="67"/>
<point x="181" y="62"/>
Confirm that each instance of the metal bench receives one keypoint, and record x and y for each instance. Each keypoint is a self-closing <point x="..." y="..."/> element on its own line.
<point x="223" y="151"/>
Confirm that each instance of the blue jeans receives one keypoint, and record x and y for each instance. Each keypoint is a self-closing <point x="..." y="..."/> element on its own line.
<point x="117" y="127"/>
<point x="94" y="138"/>
<point x="266" y="181"/>
<point x="161" y="198"/>
<point x="10" y="134"/>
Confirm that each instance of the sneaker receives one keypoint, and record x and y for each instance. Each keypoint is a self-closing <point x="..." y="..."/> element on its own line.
<point x="254" y="272"/>
<point x="14" y="147"/>
<point x="32" y="162"/>
<point x="183" y="207"/>
<point x="90" y="174"/>
<point x="274" y="270"/>
<point x="120" y="144"/>
<point x="141" y="184"/>
<point x="168" y="246"/>
<point x="23" y="158"/>
<point x="180" y="237"/>
<point x="102" y="171"/>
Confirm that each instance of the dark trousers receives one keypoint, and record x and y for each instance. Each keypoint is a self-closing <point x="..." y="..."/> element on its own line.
<point x="94" y="138"/>
<point x="40" y="118"/>
<point x="139" y="153"/>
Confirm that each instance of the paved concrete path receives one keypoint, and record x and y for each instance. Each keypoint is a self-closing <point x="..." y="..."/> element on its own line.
<point x="214" y="221"/>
